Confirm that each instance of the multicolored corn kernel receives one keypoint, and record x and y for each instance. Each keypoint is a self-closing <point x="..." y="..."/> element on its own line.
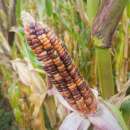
<point x="59" y="67"/>
<point x="45" y="57"/>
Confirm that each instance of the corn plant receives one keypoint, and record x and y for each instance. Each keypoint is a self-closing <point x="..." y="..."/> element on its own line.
<point x="100" y="61"/>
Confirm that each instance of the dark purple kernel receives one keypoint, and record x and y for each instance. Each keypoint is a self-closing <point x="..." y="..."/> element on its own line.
<point x="77" y="97"/>
<point x="32" y="31"/>
<point x="82" y="85"/>
<point x="62" y="56"/>
<point x="38" y="33"/>
<point x="32" y="25"/>
<point x="50" y="52"/>
<point x="75" y="92"/>
<point x="67" y="61"/>
<point x="69" y="80"/>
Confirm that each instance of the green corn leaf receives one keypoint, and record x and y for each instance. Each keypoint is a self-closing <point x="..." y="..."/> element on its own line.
<point x="92" y="6"/>
<point x="18" y="114"/>
<point x="49" y="9"/>
<point x="120" y="53"/>
<point x="128" y="8"/>
<point x="18" y="9"/>
<point x="14" y="94"/>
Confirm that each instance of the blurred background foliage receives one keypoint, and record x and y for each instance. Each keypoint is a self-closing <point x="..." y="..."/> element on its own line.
<point x="24" y="103"/>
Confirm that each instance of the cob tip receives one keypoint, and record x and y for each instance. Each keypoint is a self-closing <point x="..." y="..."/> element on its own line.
<point x="26" y="18"/>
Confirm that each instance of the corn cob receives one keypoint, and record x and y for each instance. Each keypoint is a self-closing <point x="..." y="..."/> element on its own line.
<point x="59" y="67"/>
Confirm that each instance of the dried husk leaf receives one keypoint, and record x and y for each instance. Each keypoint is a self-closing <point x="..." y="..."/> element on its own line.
<point x="30" y="77"/>
<point x="75" y="122"/>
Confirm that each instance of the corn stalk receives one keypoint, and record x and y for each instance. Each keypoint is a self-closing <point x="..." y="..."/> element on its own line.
<point x="104" y="26"/>
<point x="122" y="53"/>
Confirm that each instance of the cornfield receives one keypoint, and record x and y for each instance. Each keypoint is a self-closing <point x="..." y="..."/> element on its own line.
<point x="65" y="65"/>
